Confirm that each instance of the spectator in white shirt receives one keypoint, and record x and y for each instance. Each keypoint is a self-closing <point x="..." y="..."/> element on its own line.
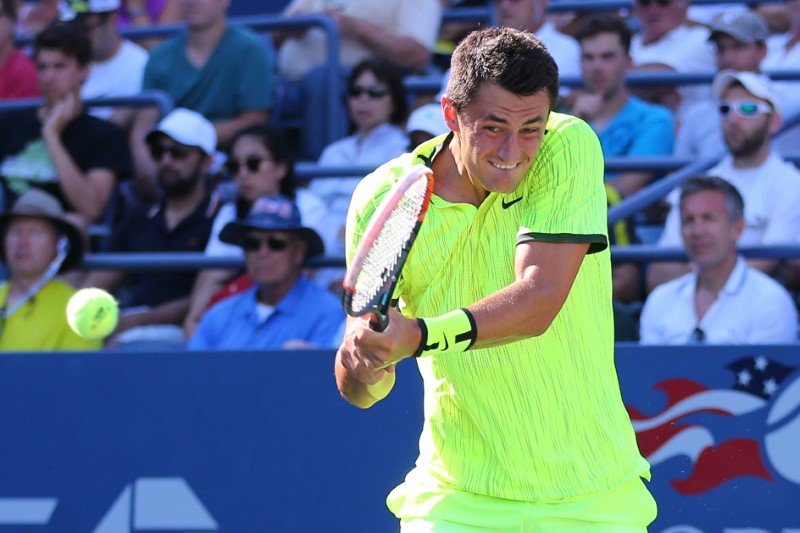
<point x="723" y="300"/>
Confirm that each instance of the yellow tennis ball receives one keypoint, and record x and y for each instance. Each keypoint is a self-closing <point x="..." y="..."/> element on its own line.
<point x="92" y="313"/>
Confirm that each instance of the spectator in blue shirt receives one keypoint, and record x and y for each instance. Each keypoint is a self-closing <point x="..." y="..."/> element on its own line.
<point x="283" y="308"/>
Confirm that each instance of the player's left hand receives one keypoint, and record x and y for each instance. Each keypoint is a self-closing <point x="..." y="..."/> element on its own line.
<point x="378" y="350"/>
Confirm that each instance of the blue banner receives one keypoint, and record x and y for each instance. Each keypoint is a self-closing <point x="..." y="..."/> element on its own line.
<point x="240" y="442"/>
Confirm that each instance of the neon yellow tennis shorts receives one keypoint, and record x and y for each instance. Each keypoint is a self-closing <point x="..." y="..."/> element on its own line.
<point x="629" y="508"/>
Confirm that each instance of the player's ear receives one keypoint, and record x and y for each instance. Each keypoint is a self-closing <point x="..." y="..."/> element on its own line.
<point x="449" y="113"/>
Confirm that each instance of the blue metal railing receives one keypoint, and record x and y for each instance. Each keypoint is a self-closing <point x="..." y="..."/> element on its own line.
<point x="159" y="99"/>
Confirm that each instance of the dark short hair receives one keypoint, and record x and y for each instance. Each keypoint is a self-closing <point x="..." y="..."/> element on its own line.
<point x="734" y="203"/>
<point x="598" y="24"/>
<point x="9" y="9"/>
<point x="276" y="142"/>
<point x="67" y="39"/>
<point x="392" y="76"/>
<point x="513" y="59"/>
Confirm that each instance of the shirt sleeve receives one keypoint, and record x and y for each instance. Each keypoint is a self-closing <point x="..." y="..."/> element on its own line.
<point x="256" y="77"/>
<point x="565" y="194"/>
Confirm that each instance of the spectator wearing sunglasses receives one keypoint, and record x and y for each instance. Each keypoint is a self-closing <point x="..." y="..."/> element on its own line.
<point x="723" y="300"/>
<point x="260" y="164"/>
<point x="783" y="53"/>
<point x="749" y="112"/>
<point x="154" y="303"/>
<point x="667" y="42"/>
<point x="377" y="107"/>
<point x="283" y="308"/>
<point x="739" y="39"/>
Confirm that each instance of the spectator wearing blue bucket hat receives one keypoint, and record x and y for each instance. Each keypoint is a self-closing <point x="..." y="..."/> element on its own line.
<point x="283" y="308"/>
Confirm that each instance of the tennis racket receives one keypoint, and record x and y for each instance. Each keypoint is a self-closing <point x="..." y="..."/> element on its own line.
<point x="381" y="254"/>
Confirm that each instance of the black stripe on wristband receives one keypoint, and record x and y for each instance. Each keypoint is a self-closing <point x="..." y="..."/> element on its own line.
<point x="472" y="334"/>
<point x="423" y="340"/>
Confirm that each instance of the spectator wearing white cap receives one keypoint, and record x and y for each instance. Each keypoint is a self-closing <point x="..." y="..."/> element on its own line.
<point x="424" y="123"/>
<point x="117" y="64"/>
<point x="154" y="304"/>
<point x="750" y="115"/>
<point x="739" y="39"/>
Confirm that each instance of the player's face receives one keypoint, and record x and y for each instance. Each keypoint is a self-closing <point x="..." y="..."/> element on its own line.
<point x="745" y="136"/>
<point x="369" y="102"/>
<point x="708" y="232"/>
<point x="604" y="63"/>
<point x="58" y="74"/>
<point x="658" y="17"/>
<point x="736" y="55"/>
<point x="498" y="136"/>
<point x="520" y="14"/>
<point x="277" y="259"/>
<point x="256" y="172"/>
<point x="30" y="245"/>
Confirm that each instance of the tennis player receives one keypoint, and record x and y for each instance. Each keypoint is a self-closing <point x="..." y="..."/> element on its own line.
<point x="505" y="300"/>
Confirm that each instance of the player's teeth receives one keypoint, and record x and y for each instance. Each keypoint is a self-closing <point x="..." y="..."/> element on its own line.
<point x="504" y="167"/>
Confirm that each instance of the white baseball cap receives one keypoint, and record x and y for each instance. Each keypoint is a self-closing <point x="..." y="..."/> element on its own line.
<point x="427" y="118"/>
<point x="757" y="84"/>
<point x="69" y="9"/>
<point x="187" y="127"/>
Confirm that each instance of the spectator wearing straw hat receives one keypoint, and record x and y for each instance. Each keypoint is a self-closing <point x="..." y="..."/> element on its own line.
<point x="39" y="242"/>
<point x="283" y="308"/>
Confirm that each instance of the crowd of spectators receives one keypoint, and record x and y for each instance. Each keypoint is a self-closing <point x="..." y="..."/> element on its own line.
<point x="217" y="174"/>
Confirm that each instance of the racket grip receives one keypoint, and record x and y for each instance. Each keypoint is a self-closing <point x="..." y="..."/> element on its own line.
<point x="379" y="322"/>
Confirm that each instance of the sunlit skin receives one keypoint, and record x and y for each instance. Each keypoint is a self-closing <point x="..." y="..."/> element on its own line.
<point x="604" y="64"/>
<point x="30" y="246"/>
<point x="266" y="180"/>
<point x="59" y="75"/>
<point x="275" y="272"/>
<point x="199" y="14"/>
<point x="657" y="20"/>
<point x="366" y="112"/>
<point x="736" y="55"/>
<point x="179" y="174"/>
<point x="748" y="137"/>
<point x="709" y="234"/>
<point x="496" y="140"/>
<point x="520" y="14"/>
<point x="102" y="31"/>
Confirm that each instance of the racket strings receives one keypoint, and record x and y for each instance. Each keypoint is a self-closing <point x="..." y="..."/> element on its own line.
<point x="390" y="246"/>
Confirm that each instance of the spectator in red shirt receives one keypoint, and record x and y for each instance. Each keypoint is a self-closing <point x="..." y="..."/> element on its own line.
<point x="17" y="71"/>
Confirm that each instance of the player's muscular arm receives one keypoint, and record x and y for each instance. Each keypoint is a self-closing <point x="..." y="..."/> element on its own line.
<point x="544" y="273"/>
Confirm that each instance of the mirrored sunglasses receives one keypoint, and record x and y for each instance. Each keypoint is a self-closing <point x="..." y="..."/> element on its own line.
<point x="744" y="109"/>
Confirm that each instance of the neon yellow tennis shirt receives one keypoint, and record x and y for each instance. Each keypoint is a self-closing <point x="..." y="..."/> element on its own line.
<point x="540" y="419"/>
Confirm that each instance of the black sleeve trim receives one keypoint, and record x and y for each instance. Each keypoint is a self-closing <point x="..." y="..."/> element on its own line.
<point x="597" y="242"/>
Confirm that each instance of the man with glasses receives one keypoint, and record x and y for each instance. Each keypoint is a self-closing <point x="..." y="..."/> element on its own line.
<point x="739" y="39"/>
<point x="154" y="303"/>
<point x="750" y="114"/>
<point x="707" y="306"/>
<point x="283" y="308"/>
<point x="117" y="64"/>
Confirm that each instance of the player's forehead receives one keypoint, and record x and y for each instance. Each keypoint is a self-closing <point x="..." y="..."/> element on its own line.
<point x="494" y="103"/>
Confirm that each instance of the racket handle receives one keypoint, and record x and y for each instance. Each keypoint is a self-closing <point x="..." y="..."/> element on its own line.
<point x="379" y="321"/>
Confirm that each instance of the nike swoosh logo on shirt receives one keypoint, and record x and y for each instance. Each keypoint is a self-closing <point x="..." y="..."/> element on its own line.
<point x="506" y="205"/>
